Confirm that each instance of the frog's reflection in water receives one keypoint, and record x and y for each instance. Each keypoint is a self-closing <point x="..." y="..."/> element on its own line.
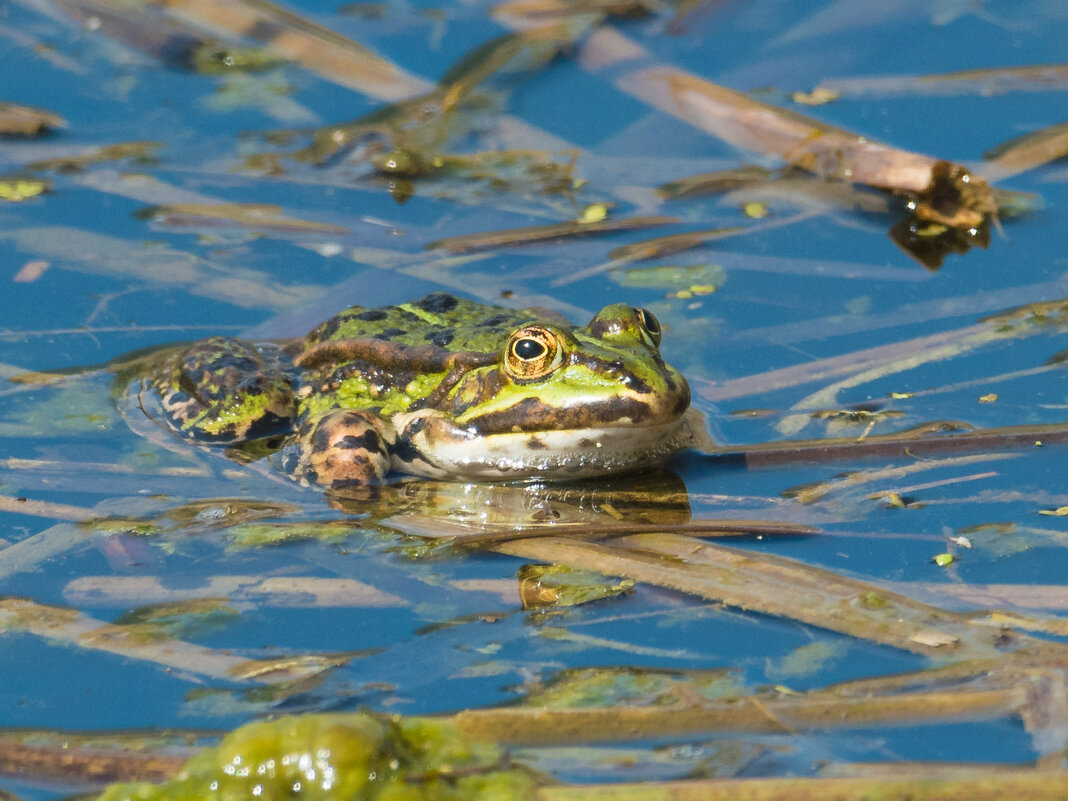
<point x="485" y="511"/>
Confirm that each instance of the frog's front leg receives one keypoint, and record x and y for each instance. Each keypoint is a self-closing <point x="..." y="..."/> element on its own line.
<point x="341" y="448"/>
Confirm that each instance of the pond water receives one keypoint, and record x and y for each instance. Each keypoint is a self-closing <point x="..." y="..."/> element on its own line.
<point x="808" y="322"/>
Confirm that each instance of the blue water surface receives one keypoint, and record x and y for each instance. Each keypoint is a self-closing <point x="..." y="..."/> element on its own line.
<point x="803" y="295"/>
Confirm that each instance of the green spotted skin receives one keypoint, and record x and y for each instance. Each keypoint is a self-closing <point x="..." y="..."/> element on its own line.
<point x="225" y="390"/>
<point x="443" y="387"/>
<point x="437" y="324"/>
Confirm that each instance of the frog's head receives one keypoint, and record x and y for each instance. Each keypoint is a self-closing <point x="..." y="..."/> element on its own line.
<point x="559" y="402"/>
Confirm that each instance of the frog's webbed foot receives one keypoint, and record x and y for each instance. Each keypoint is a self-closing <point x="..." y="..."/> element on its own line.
<point x="342" y="448"/>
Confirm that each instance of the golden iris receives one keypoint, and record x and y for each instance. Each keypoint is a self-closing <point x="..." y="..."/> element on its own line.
<point x="533" y="352"/>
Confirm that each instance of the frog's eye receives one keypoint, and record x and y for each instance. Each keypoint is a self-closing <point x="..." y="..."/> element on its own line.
<point x="532" y="353"/>
<point x="650" y="324"/>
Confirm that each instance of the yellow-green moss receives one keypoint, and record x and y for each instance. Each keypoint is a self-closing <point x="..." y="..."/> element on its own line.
<point x="357" y="757"/>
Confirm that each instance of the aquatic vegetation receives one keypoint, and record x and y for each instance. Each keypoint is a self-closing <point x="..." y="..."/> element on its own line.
<point x="857" y="567"/>
<point x="341" y="757"/>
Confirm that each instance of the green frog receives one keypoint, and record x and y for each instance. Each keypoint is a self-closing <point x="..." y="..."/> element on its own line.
<point x="439" y="387"/>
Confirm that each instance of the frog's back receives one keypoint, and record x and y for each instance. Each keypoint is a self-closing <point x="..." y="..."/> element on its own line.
<point x="439" y="319"/>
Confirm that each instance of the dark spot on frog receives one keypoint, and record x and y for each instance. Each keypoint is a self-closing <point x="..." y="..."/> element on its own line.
<point x="344" y="430"/>
<point x="586" y="442"/>
<point x="222" y="436"/>
<point x="405" y="451"/>
<point x="368" y="440"/>
<point x="270" y="424"/>
<point x="475" y="389"/>
<point x="239" y="364"/>
<point x="599" y="328"/>
<point x="219" y="360"/>
<point x="495" y="320"/>
<point x="372" y="315"/>
<point x="390" y="333"/>
<point x="342" y="372"/>
<point x="437" y="303"/>
<point x="614" y="369"/>
<point x="441" y="338"/>
<point x="327" y="329"/>
<point x="535" y="444"/>
<point x="321" y="439"/>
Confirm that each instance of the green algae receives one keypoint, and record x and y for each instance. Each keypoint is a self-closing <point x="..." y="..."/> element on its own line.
<point x="218" y="58"/>
<point x="356" y="757"/>
<point x="623" y="686"/>
<point x="177" y="620"/>
<point x="542" y="586"/>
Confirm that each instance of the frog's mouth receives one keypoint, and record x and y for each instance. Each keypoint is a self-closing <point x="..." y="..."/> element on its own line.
<point x="434" y="446"/>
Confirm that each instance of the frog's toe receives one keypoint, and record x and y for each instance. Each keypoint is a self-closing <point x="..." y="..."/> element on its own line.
<point x="341" y="449"/>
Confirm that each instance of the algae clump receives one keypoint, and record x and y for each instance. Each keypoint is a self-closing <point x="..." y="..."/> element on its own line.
<point x="342" y="756"/>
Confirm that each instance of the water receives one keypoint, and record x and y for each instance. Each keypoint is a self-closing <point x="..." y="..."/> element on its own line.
<point x="800" y="294"/>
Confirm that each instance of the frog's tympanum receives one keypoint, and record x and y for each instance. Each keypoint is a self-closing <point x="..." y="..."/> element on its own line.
<point x="441" y="387"/>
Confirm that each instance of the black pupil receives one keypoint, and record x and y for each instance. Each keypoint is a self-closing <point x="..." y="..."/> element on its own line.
<point x="527" y="349"/>
<point x="652" y="325"/>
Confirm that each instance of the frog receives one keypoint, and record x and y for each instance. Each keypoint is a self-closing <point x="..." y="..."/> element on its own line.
<point x="441" y="387"/>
